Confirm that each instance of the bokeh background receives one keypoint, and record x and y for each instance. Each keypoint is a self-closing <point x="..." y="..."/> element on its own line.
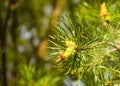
<point x="24" y="29"/>
<point x="25" y="26"/>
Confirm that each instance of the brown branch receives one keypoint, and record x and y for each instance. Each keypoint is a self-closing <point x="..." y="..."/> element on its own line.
<point x="57" y="11"/>
<point x="58" y="8"/>
<point x="3" y="44"/>
<point x="14" y="27"/>
<point x="1" y="25"/>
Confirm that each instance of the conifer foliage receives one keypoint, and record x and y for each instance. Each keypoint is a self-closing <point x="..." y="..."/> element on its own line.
<point x="89" y="50"/>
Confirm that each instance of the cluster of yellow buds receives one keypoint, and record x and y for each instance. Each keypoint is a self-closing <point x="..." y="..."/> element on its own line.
<point x="70" y="43"/>
<point x="71" y="46"/>
<point x="104" y="15"/>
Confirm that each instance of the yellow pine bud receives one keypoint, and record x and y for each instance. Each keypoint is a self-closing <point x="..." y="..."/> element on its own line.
<point x="69" y="51"/>
<point x="103" y="10"/>
<point x="69" y="43"/>
<point x="104" y="15"/>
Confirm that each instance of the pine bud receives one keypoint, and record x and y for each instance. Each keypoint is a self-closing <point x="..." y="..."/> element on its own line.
<point x="70" y="51"/>
<point x="103" y="10"/>
<point x="104" y="15"/>
<point x="70" y="43"/>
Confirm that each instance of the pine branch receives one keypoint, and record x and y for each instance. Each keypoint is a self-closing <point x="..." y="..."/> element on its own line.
<point x="89" y="58"/>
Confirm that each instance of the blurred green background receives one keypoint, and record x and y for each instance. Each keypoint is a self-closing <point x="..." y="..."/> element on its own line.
<point x="24" y="29"/>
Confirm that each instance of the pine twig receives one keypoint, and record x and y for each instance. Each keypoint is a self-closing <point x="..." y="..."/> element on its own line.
<point x="99" y="58"/>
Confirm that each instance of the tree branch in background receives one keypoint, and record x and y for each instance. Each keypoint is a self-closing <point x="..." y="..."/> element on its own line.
<point x="58" y="8"/>
<point x="3" y="43"/>
<point x="13" y="32"/>
<point x="14" y="24"/>
<point x="1" y="25"/>
<point x="57" y="12"/>
<point x="3" y="46"/>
